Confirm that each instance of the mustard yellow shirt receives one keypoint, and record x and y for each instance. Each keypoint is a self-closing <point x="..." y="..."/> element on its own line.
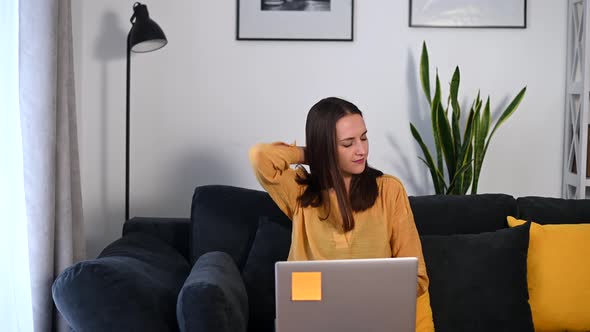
<point x="387" y="229"/>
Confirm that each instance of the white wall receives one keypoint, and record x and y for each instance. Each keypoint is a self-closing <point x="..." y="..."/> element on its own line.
<point x="201" y="101"/>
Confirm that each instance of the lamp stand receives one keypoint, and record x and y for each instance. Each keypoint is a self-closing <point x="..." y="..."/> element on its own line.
<point x="145" y="36"/>
<point x="127" y="120"/>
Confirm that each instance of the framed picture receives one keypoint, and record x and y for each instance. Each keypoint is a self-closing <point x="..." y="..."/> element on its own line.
<point x="327" y="20"/>
<point x="468" y="13"/>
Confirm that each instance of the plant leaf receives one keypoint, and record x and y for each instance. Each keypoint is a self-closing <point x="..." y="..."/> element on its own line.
<point x="508" y="111"/>
<point x="468" y="174"/>
<point x="454" y="90"/>
<point x="446" y="142"/>
<point x="477" y="102"/>
<point x="485" y="119"/>
<point x="457" y="176"/>
<point x="456" y="117"/>
<point x="436" y="105"/>
<point x="455" y="120"/>
<point x="429" y="162"/>
<point x="479" y="144"/>
<point x="425" y="72"/>
<point x="505" y="115"/>
<point x="440" y="178"/>
<point x="465" y="152"/>
<point x="476" y="137"/>
<point x="467" y="135"/>
<point x="481" y="134"/>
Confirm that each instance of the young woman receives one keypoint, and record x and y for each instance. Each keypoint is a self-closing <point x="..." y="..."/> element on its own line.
<point x="341" y="208"/>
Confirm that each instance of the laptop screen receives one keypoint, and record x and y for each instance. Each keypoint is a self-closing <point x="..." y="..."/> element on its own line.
<point x="346" y="295"/>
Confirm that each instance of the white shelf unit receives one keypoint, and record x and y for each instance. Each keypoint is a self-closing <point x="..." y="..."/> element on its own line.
<point x="576" y="178"/>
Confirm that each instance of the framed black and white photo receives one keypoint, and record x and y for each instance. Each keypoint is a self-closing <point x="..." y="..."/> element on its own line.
<point x="468" y="13"/>
<point x="328" y="20"/>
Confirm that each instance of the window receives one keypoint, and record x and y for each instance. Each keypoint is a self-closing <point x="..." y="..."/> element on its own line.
<point x="15" y="291"/>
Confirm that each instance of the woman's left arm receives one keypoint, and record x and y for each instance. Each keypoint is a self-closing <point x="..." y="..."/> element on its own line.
<point x="405" y="241"/>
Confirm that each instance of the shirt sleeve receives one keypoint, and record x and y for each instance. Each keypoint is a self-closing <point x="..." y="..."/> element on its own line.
<point x="272" y="166"/>
<point x="424" y="321"/>
<point x="405" y="241"/>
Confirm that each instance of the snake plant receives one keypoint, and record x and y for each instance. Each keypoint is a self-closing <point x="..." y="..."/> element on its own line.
<point x="461" y="152"/>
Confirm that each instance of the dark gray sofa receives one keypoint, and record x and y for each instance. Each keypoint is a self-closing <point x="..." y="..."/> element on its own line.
<point x="215" y="271"/>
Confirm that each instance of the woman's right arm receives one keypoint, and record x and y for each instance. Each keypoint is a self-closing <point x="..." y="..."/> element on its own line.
<point x="272" y="166"/>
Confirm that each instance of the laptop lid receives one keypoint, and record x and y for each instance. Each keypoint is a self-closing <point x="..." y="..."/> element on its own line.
<point x="346" y="295"/>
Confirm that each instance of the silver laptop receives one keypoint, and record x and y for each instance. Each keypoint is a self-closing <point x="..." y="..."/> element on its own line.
<point x="346" y="295"/>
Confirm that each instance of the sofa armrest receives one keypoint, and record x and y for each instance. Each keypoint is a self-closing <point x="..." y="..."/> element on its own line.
<point x="131" y="286"/>
<point x="213" y="297"/>
<point x="174" y="231"/>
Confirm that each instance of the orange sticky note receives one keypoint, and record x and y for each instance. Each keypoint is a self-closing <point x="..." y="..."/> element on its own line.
<point x="306" y="286"/>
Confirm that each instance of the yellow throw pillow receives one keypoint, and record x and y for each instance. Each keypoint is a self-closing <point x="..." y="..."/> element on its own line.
<point x="558" y="275"/>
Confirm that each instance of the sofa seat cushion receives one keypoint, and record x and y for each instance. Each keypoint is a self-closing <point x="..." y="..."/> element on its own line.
<point x="478" y="282"/>
<point x="461" y="214"/>
<point x="131" y="286"/>
<point x="213" y="297"/>
<point x="559" y="276"/>
<point x="271" y="244"/>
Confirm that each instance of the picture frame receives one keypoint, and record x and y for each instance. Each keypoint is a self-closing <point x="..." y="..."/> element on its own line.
<point x="295" y="20"/>
<point x="468" y="14"/>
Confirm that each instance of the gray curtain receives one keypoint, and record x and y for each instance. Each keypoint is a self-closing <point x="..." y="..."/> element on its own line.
<point x="50" y="148"/>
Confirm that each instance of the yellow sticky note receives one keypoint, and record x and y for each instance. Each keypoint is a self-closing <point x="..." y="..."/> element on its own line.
<point x="306" y="286"/>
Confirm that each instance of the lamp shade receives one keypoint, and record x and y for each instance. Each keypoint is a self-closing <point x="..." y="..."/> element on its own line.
<point x="145" y="34"/>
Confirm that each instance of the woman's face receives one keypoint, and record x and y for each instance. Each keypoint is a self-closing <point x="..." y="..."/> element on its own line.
<point x="352" y="146"/>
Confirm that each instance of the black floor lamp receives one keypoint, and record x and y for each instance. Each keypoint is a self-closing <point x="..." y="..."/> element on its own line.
<point x="145" y="36"/>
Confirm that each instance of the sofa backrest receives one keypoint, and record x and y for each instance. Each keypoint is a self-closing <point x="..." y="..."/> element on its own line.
<point x="547" y="210"/>
<point x="226" y="218"/>
<point x="466" y="214"/>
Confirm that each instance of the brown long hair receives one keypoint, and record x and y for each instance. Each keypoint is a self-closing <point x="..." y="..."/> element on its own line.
<point x="321" y="156"/>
